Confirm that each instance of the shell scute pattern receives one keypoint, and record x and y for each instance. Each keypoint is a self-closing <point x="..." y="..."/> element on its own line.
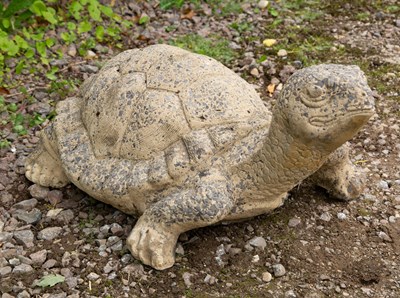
<point x="132" y="90"/>
<point x="164" y="106"/>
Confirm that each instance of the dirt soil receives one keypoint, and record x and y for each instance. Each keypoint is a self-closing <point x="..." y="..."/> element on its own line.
<point x="315" y="246"/>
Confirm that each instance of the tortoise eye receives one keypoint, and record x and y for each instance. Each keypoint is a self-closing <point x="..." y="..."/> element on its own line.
<point x="314" y="91"/>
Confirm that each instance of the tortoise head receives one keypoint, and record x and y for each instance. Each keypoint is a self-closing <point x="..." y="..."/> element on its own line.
<point x="326" y="104"/>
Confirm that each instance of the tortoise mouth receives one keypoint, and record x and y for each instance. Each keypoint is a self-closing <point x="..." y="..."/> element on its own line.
<point x="358" y="115"/>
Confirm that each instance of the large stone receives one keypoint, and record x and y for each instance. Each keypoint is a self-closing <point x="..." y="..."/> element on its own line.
<point x="38" y="191"/>
<point x="26" y="205"/>
<point x="24" y="237"/>
<point x="22" y="269"/>
<point x="5" y="236"/>
<point x="29" y="217"/>
<point x="39" y="257"/>
<point x="258" y="242"/>
<point x="5" y="270"/>
<point x="50" y="233"/>
<point x="279" y="270"/>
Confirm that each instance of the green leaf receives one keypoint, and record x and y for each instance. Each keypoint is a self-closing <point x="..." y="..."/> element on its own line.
<point x="15" y="6"/>
<point x="107" y="11"/>
<point x="50" y="17"/>
<point x="51" y="74"/>
<point x="144" y="19"/>
<point x="26" y="33"/>
<point x="21" y="42"/>
<point x="75" y="9"/>
<point x="112" y="31"/>
<point x="44" y="60"/>
<point x="127" y="23"/>
<point x="71" y="26"/>
<point x="20" y="129"/>
<point x="38" y="7"/>
<point x="273" y="12"/>
<point x="8" y="46"/>
<point x="50" y="280"/>
<point x="20" y="66"/>
<point x="50" y="42"/>
<point x="41" y="48"/>
<point x="37" y="37"/>
<point x="94" y="12"/>
<point x="99" y="32"/>
<point x="36" y="120"/>
<point x="12" y="107"/>
<point x="29" y="53"/>
<point x="84" y="26"/>
<point x="68" y="37"/>
<point x="6" y="23"/>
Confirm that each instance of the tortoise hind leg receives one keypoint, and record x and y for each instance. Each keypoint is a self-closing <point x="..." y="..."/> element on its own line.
<point x="43" y="165"/>
<point x="339" y="176"/>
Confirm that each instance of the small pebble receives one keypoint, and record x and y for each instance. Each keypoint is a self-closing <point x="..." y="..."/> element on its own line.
<point x="258" y="242"/>
<point x="290" y="294"/>
<point x="294" y="222"/>
<point x="254" y="72"/>
<point x="341" y="216"/>
<point x="326" y="216"/>
<point x="383" y="184"/>
<point x="92" y="276"/>
<point x="186" y="279"/>
<point x="266" y="277"/>
<point x="282" y="53"/>
<point x="255" y="259"/>
<point x="384" y="236"/>
<point x="279" y="270"/>
<point x="262" y="4"/>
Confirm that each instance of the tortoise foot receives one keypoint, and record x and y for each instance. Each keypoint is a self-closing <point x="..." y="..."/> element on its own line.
<point x="44" y="169"/>
<point x="349" y="185"/>
<point x="153" y="244"/>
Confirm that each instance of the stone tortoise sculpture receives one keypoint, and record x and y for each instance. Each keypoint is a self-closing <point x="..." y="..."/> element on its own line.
<point x="182" y="142"/>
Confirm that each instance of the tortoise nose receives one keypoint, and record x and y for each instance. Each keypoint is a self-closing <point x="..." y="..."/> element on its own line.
<point x="369" y="103"/>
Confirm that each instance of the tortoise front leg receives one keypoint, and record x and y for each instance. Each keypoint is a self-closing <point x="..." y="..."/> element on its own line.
<point x="339" y="176"/>
<point x="43" y="165"/>
<point x="154" y="237"/>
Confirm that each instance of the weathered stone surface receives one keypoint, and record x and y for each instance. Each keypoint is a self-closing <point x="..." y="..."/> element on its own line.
<point x="49" y="233"/>
<point x="258" y="242"/>
<point x="279" y="270"/>
<point x="29" y="217"/>
<point x="38" y="191"/>
<point x="26" y="205"/>
<point x="5" y="270"/>
<point x="5" y="236"/>
<point x="190" y="138"/>
<point x="24" y="237"/>
<point x="22" y="269"/>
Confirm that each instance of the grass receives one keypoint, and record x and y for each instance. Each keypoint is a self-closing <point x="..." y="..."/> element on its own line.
<point x="215" y="47"/>
<point x="219" y="7"/>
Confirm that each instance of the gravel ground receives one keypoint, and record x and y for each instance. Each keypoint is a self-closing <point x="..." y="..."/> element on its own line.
<point x="311" y="247"/>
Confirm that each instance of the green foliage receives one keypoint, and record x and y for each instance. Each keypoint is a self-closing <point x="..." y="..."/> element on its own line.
<point x="26" y="26"/>
<point x="241" y="27"/>
<point x="144" y="19"/>
<point x="27" y="36"/>
<point x="167" y="4"/>
<point x="11" y="115"/>
<point x="217" y="47"/>
<point x="221" y="7"/>
<point x="50" y="280"/>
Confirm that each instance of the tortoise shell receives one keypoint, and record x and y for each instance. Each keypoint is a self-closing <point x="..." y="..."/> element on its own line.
<point x="145" y="100"/>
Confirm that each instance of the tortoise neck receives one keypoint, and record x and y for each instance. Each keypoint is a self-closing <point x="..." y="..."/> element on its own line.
<point x="284" y="161"/>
